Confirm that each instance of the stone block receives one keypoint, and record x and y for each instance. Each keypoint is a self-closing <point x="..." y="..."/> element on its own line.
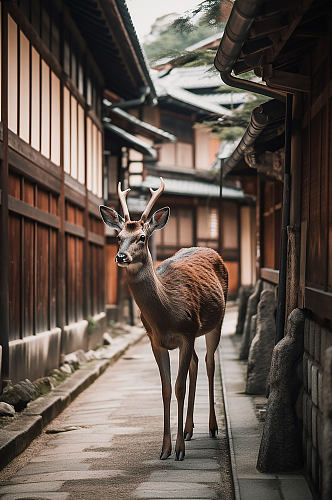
<point x="320" y="390"/>
<point x="327" y="427"/>
<point x="309" y="416"/>
<point x="244" y="293"/>
<point x="319" y="435"/>
<point x="281" y="444"/>
<point x="314" y="465"/>
<point x="305" y="371"/>
<point x="262" y="345"/>
<point x="251" y="311"/>
<point x="317" y="344"/>
<point x="309" y="375"/>
<point x="314" y="413"/>
<point x="312" y="336"/>
<point x="306" y="334"/>
<point x="309" y="456"/>
<point x="314" y="384"/>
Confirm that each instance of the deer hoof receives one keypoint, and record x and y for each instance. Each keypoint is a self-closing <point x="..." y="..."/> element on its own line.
<point x="213" y="432"/>
<point x="187" y="435"/>
<point x="179" y="455"/>
<point x="164" y="455"/>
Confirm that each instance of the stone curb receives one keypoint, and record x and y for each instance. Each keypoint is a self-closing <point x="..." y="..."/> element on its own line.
<point x="236" y="485"/>
<point x="16" y="437"/>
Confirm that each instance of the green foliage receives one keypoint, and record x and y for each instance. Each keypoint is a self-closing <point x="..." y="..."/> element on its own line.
<point x="245" y="111"/>
<point x="171" y="42"/>
<point x="91" y="322"/>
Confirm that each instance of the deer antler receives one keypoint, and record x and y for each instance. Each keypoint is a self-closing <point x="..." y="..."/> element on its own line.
<point x="122" y="197"/>
<point x="155" y="194"/>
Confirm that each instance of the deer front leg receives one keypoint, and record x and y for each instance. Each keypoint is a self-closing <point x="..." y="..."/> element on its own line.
<point x="185" y="355"/>
<point x="189" y="425"/>
<point x="162" y="358"/>
<point x="212" y="340"/>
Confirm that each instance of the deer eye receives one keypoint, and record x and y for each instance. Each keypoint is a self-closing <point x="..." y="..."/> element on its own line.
<point x="142" y="237"/>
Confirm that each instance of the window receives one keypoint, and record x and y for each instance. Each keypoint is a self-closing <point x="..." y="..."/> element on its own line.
<point x="35" y="99"/>
<point x="45" y="115"/>
<point x="12" y="75"/>
<point x="24" y="131"/>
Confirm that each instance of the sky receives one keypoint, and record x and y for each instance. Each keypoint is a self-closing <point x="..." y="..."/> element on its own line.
<point x="144" y="12"/>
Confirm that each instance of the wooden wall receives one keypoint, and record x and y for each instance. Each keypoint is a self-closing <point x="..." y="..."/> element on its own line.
<point x="52" y="155"/>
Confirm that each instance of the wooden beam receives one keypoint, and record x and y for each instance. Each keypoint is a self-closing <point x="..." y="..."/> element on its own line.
<point x="97" y="239"/>
<point x="270" y="275"/>
<point x="292" y="82"/>
<point x="36" y="214"/>
<point x="74" y="229"/>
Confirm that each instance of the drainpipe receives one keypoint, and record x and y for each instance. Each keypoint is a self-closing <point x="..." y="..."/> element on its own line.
<point x="281" y="305"/>
<point x="132" y="103"/>
<point x="236" y="32"/>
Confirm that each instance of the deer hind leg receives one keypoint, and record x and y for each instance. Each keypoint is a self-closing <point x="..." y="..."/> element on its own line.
<point x="189" y="425"/>
<point x="212" y="340"/>
<point x="185" y="356"/>
<point x="162" y="358"/>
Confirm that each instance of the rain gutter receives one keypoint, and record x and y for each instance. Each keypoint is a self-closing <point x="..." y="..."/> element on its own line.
<point x="261" y="117"/>
<point x="132" y="103"/>
<point x="235" y="34"/>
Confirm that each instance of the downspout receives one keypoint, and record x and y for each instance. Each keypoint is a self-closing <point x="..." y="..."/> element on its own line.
<point x="281" y="305"/>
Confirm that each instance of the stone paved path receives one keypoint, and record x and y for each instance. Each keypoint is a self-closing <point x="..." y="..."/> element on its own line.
<point x="113" y="448"/>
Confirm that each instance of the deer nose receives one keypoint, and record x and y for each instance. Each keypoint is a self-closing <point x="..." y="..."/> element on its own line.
<point x="120" y="257"/>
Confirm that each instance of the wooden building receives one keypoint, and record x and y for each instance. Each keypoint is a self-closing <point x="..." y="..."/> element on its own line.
<point x="288" y="45"/>
<point x="57" y="60"/>
<point x="170" y="140"/>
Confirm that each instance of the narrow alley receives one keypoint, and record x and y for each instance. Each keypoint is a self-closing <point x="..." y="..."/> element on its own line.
<point x="106" y="444"/>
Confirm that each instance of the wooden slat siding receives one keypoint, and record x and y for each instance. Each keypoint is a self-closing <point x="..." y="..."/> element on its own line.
<point x="14" y="185"/>
<point x="28" y="276"/>
<point x="79" y="279"/>
<point x="43" y="267"/>
<point x="33" y="156"/>
<point x="319" y="302"/>
<point x="34" y="171"/>
<point x="74" y="229"/>
<point x="97" y="239"/>
<point x="4" y="292"/>
<point x="70" y="279"/>
<point x="14" y="277"/>
<point x="74" y="197"/>
<point x="111" y="274"/>
<point x="31" y="212"/>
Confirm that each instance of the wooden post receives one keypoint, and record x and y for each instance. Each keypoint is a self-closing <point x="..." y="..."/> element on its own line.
<point x="4" y="258"/>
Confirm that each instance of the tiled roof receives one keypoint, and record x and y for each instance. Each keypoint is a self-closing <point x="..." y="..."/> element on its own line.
<point x="192" y="188"/>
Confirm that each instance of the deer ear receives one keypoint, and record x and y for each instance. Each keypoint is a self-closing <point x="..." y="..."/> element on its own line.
<point x="159" y="218"/>
<point x="111" y="217"/>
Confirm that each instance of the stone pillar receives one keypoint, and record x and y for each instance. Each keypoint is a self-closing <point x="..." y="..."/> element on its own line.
<point x="244" y="293"/>
<point x="260" y="353"/>
<point x="251" y="311"/>
<point x="281" y="445"/>
<point x="327" y="423"/>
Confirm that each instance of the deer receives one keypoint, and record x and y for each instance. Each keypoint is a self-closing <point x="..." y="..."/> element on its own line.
<point x="182" y="299"/>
